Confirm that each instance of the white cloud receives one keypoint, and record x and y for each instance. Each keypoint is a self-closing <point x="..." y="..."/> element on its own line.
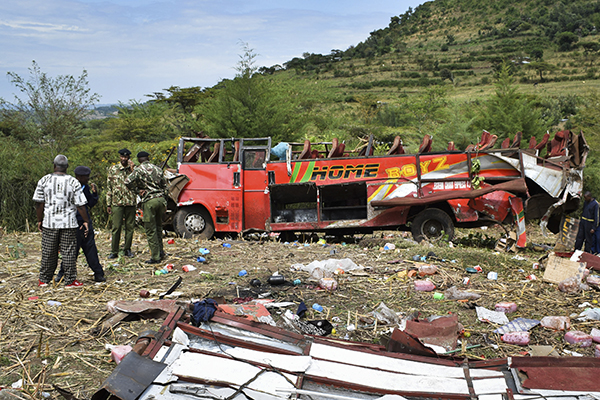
<point x="134" y="47"/>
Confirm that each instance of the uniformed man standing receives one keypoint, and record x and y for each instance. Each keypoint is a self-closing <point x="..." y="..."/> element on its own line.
<point x="120" y="204"/>
<point x="150" y="182"/>
<point x="588" y="224"/>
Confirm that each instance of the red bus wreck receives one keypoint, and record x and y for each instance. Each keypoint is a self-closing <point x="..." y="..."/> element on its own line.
<point x="233" y="185"/>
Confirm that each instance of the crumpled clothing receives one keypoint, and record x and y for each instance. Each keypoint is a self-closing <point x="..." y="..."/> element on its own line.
<point x="203" y="311"/>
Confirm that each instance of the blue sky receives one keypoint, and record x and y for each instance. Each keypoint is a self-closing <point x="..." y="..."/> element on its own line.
<point x="135" y="47"/>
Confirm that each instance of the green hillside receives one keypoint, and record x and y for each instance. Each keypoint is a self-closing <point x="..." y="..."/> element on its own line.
<point x="449" y="68"/>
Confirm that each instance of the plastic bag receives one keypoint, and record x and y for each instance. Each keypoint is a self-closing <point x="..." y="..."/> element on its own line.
<point x="454" y="294"/>
<point x="384" y="314"/>
<point x="570" y="285"/>
<point x="328" y="266"/>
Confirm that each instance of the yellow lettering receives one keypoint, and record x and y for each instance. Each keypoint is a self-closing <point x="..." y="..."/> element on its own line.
<point x="425" y="166"/>
<point x="393" y="173"/>
<point x="409" y="170"/>
<point x="441" y="163"/>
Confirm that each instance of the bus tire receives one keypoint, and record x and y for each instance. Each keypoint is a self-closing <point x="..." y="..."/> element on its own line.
<point x="432" y="225"/>
<point x="193" y="221"/>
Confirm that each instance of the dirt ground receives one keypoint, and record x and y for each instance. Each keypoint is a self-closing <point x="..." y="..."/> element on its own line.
<point x="44" y="345"/>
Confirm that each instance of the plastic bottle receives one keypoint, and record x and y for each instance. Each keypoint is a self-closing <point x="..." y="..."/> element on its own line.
<point x="427" y="270"/>
<point x="328" y="283"/>
<point x="204" y="251"/>
<point x="595" y="333"/>
<point x="424" y="286"/>
<point x="506" y="307"/>
<point x="200" y="259"/>
<point x="438" y="296"/>
<point x="54" y="303"/>
<point x="518" y="338"/>
<point x="492" y="275"/>
<point x="188" y="268"/>
<point x="276" y="280"/>
<point x="556" y="323"/>
<point x="578" y="337"/>
<point x="454" y="294"/>
<point x="169" y="267"/>
<point x="227" y="245"/>
<point x="297" y="282"/>
<point x="317" y="307"/>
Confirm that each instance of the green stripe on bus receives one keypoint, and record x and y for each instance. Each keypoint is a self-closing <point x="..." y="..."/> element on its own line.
<point x="308" y="172"/>
<point x="295" y="173"/>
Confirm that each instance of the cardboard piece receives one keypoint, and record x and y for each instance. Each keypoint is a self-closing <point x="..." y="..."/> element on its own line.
<point x="567" y="235"/>
<point x="543" y="351"/>
<point x="558" y="269"/>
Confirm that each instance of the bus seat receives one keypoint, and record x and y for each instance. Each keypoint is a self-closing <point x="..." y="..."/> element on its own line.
<point x="337" y="149"/>
<point x="426" y="144"/>
<point x="397" y="147"/>
<point x="214" y="157"/>
<point x="305" y="154"/>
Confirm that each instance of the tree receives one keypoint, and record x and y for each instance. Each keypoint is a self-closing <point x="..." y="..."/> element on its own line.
<point x="566" y="40"/>
<point x="52" y="109"/>
<point x="248" y="105"/>
<point x="150" y="122"/>
<point x="537" y="54"/>
<point x="541" y="67"/>
<point x="508" y="112"/>
<point x="590" y="49"/>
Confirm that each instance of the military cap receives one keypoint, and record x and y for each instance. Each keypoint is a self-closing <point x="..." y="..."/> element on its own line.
<point x="125" y="152"/>
<point x="81" y="170"/>
<point x="143" y="154"/>
<point x="61" y="160"/>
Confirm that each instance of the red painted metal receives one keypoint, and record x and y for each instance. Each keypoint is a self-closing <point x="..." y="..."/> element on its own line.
<point x="361" y="193"/>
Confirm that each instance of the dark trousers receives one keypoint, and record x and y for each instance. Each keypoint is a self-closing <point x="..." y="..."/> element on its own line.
<point x="122" y="217"/>
<point x="153" y="217"/>
<point x="88" y="244"/>
<point x="584" y="234"/>
<point x="52" y="241"/>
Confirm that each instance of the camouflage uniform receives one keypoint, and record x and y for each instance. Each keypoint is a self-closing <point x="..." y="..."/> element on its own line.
<point x="122" y="201"/>
<point x="151" y="180"/>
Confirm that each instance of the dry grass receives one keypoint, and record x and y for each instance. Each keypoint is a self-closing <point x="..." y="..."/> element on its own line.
<point x="47" y="345"/>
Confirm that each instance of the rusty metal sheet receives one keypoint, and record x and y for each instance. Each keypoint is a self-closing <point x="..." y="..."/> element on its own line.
<point x="402" y="342"/>
<point x="130" y="378"/>
<point x="553" y="373"/>
<point x="137" y="307"/>
<point x="442" y="331"/>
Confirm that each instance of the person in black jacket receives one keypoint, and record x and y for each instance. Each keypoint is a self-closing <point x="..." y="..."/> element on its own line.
<point x="88" y="244"/>
<point x="588" y="224"/>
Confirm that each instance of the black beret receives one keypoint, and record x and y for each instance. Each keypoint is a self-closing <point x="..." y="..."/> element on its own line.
<point x="143" y="154"/>
<point x="125" y="152"/>
<point x="81" y="170"/>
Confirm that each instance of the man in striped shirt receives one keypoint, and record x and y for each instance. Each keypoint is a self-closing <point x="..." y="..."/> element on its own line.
<point x="58" y="197"/>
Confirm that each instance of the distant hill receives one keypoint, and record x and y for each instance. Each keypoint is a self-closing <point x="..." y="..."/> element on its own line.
<point x="463" y="41"/>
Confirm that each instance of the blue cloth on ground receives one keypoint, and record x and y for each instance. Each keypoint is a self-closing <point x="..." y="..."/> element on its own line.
<point x="203" y="311"/>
